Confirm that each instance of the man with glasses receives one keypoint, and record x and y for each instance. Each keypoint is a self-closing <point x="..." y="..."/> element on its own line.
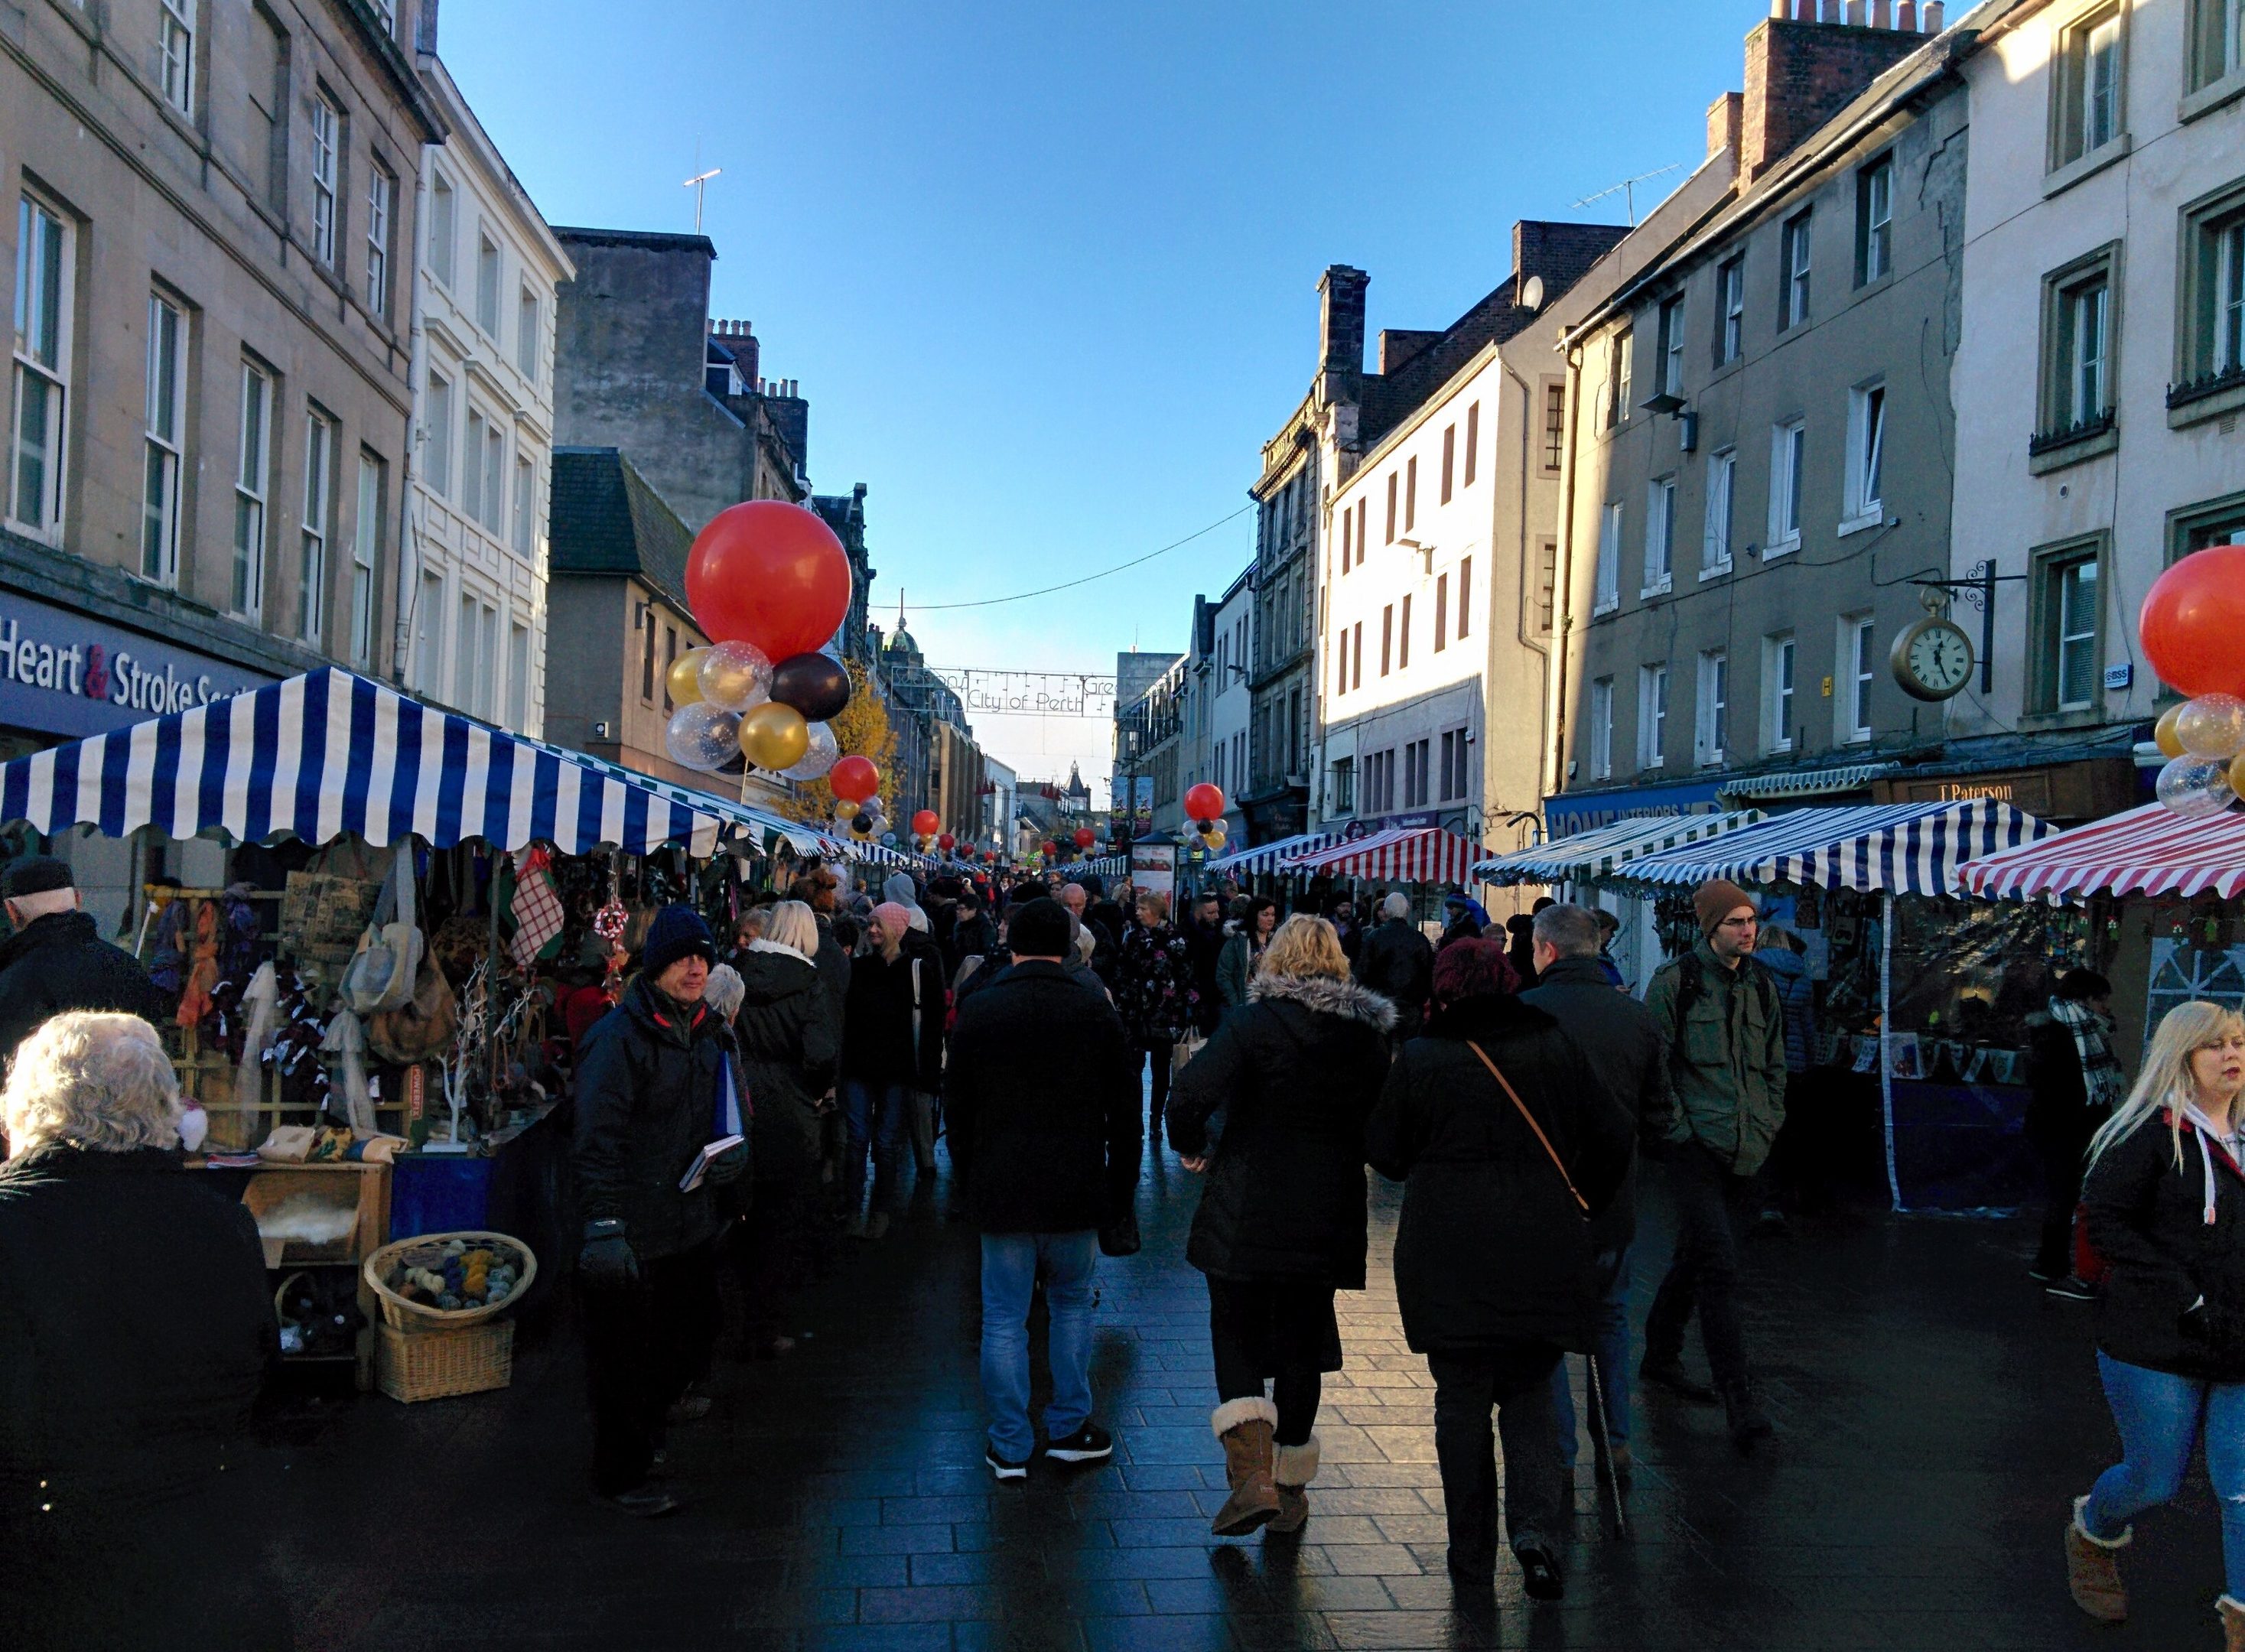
<point x="1723" y="1026"/>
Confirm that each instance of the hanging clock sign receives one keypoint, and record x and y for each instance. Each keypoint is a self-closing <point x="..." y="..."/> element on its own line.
<point x="1932" y="659"/>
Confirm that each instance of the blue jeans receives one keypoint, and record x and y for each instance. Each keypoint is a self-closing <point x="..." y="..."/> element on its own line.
<point x="1011" y="1264"/>
<point x="2160" y="1417"/>
<point x="874" y="1115"/>
<point x="1610" y="1329"/>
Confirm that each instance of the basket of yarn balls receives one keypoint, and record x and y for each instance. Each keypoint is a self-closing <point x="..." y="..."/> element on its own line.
<point x="437" y="1281"/>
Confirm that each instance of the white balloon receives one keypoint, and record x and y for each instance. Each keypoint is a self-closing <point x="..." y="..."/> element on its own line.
<point x="702" y="736"/>
<point x="2196" y="787"/>
<point x="825" y="751"/>
<point x="736" y="676"/>
<point x="2213" y="726"/>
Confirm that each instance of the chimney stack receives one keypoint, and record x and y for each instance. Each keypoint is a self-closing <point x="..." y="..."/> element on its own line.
<point x="1725" y="116"/>
<point x="1340" y="320"/>
<point x="1805" y="67"/>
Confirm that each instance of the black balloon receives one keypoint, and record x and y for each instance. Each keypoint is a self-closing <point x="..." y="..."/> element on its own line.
<point x="737" y="765"/>
<point x="815" y="685"/>
<point x="863" y="823"/>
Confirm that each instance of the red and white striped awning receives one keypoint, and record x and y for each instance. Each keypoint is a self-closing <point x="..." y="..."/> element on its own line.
<point x="1401" y="855"/>
<point x="2151" y="850"/>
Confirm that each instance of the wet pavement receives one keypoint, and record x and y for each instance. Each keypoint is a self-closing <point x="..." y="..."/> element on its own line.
<point x="1936" y="1414"/>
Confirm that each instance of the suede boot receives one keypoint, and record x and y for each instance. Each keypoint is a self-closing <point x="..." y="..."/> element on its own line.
<point x="1244" y="1427"/>
<point x="2232" y="1613"/>
<point x="1296" y="1466"/>
<point x="2092" y="1572"/>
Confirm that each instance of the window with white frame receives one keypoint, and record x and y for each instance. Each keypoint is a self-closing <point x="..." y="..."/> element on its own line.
<point x="45" y="247"/>
<point x="1722" y="489"/>
<point x="1651" y="716"/>
<point x="1620" y="372"/>
<point x="1602" y="725"/>
<point x="528" y="326"/>
<point x="1659" y="535"/>
<point x="327" y="159"/>
<point x="2088" y="85"/>
<point x="366" y="550"/>
<point x="1794" y="309"/>
<point x="166" y="434"/>
<point x="518" y="678"/>
<point x="2076" y="390"/>
<point x="1777" y="680"/>
<point x="2213" y="319"/>
<point x="319" y="501"/>
<point x="2066" y="671"/>
<point x="1710" y="727"/>
<point x="1875" y="221"/>
<point x="444" y="228"/>
<point x="1609" y="579"/>
<point x="387" y="10"/>
<point x="1671" y="346"/>
<point x="487" y="273"/>
<point x="175" y="45"/>
<point x="471" y="463"/>
<point x="2218" y="41"/>
<point x="1867" y="441"/>
<point x="1788" y="454"/>
<point x="526" y="502"/>
<point x="1859" y="660"/>
<point x="253" y="472"/>
<point x="1731" y="309"/>
<point x="381" y="208"/>
<point x="437" y="436"/>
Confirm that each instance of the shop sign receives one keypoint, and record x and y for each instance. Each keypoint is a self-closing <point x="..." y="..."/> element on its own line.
<point x="1573" y="812"/>
<point x="2086" y="790"/>
<point x="63" y="673"/>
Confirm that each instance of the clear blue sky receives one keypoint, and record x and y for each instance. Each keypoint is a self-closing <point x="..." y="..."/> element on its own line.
<point x="1047" y="273"/>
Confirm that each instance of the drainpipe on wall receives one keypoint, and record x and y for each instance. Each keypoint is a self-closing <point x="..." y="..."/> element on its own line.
<point x="1563" y="623"/>
<point x="408" y="547"/>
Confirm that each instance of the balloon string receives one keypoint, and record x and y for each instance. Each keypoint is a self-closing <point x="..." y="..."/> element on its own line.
<point x="1119" y="567"/>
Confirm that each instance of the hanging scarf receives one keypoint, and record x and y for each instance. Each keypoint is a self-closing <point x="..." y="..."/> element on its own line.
<point x="2101" y="1078"/>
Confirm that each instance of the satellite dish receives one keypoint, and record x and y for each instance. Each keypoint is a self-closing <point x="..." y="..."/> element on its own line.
<point x="1531" y="293"/>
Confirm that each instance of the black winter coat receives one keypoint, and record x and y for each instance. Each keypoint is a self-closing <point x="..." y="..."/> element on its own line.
<point x="1396" y="963"/>
<point x="2060" y="1119"/>
<point x="1295" y="1074"/>
<point x="1041" y="1100"/>
<point x="894" y="1034"/>
<point x="646" y="1105"/>
<point x="136" y="1330"/>
<point x="1620" y="1039"/>
<point x="789" y="1058"/>
<point x="2147" y="1219"/>
<point x="833" y="960"/>
<point x="60" y="962"/>
<point x="1490" y="1248"/>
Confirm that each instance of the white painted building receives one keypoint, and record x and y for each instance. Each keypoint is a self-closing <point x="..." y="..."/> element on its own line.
<point x="471" y="600"/>
<point x="1230" y="705"/>
<point x="2101" y="374"/>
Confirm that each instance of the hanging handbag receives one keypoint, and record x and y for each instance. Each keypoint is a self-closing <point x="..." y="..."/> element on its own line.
<point x="1581" y="1203"/>
<point x="381" y="974"/>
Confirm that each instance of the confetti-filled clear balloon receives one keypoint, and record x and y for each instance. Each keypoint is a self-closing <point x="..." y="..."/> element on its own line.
<point x="2196" y="787"/>
<point x="702" y="736"/>
<point x="736" y="676"/>
<point x="822" y="756"/>
<point x="2213" y="726"/>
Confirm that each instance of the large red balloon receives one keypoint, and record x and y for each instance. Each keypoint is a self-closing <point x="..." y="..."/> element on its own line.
<point x="946" y="842"/>
<point x="770" y="573"/>
<point x="854" y="779"/>
<point x="2194" y="623"/>
<point x="1205" y="801"/>
<point x="927" y="822"/>
<point x="1085" y="837"/>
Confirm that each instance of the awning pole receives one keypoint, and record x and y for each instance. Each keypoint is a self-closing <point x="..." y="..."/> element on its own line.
<point x="1886" y="1040"/>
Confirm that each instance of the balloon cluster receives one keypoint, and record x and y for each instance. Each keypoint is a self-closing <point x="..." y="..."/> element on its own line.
<point x="857" y="810"/>
<point x="770" y="583"/>
<point x="1205" y="807"/>
<point x="2193" y="619"/>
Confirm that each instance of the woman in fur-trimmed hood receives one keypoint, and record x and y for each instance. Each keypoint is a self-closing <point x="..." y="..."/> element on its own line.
<point x="1296" y="1074"/>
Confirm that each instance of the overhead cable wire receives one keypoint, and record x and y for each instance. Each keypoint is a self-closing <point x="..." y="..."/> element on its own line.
<point x="1119" y="567"/>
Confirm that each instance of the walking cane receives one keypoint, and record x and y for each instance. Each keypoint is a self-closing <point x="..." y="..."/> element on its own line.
<point x="1602" y="1446"/>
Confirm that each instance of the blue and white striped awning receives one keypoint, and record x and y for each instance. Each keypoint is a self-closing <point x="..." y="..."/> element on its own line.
<point x="328" y="753"/>
<point x="757" y="823"/>
<point x="1901" y="849"/>
<point x="1105" y="866"/>
<point x="1265" y="857"/>
<point x="1598" y="853"/>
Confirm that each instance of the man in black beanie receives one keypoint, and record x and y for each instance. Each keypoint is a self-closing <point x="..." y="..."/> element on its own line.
<point x="651" y="1081"/>
<point x="57" y="960"/>
<point x="1042" y="1098"/>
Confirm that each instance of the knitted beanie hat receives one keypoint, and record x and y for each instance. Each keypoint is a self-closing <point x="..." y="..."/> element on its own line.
<point x="1715" y="900"/>
<point x="677" y="931"/>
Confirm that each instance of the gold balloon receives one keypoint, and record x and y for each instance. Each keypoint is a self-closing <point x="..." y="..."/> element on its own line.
<point x="684" y="678"/>
<point x="774" y="736"/>
<point x="2170" y="743"/>
<point x="2237" y="774"/>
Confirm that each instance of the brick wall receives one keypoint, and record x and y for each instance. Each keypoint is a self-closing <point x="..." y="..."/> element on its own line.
<point x="1799" y="75"/>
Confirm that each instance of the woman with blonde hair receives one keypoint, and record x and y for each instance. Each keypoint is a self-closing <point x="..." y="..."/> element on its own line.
<point x="2164" y="1202"/>
<point x="1295" y="1071"/>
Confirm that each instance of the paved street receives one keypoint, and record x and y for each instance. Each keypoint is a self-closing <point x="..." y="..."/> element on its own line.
<point x="1936" y="1415"/>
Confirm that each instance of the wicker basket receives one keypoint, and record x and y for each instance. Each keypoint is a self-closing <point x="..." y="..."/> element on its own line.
<point x="411" y="1318"/>
<point x="435" y="1365"/>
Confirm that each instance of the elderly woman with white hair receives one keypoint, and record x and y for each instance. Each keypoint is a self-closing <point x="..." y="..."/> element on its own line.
<point x="136" y="1330"/>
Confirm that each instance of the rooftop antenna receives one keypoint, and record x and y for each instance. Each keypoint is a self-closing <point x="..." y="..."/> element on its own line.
<point x="699" y="184"/>
<point x="1628" y="187"/>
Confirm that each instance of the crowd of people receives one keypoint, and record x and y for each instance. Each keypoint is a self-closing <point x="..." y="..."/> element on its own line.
<point x="744" y="1109"/>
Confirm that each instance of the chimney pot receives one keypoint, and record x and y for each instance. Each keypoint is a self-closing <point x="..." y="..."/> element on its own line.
<point x="1831" y="12"/>
<point x="1881" y="14"/>
<point x="1857" y="18"/>
<point x="1906" y="15"/>
<point x="1340" y="321"/>
<point x="1934" y="19"/>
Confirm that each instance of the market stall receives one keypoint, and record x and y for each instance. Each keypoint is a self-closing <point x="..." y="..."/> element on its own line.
<point x="1592" y="856"/>
<point x="1864" y="887"/>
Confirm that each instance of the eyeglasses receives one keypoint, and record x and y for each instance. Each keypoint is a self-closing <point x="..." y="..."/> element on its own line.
<point x="1738" y="922"/>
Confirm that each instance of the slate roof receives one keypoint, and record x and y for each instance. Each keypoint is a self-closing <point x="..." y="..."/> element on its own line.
<point x="608" y="519"/>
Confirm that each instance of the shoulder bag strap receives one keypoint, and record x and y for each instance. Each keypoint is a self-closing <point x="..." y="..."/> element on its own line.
<point x="1582" y="1203"/>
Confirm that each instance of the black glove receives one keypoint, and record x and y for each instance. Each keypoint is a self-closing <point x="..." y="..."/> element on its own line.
<point x="606" y="1261"/>
<point x="729" y="1166"/>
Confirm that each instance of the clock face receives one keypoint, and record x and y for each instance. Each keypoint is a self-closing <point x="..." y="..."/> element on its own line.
<point x="1933" y="662"/>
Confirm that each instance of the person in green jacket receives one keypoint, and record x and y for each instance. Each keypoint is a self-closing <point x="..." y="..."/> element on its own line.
<point x="1723" y="1023"/>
